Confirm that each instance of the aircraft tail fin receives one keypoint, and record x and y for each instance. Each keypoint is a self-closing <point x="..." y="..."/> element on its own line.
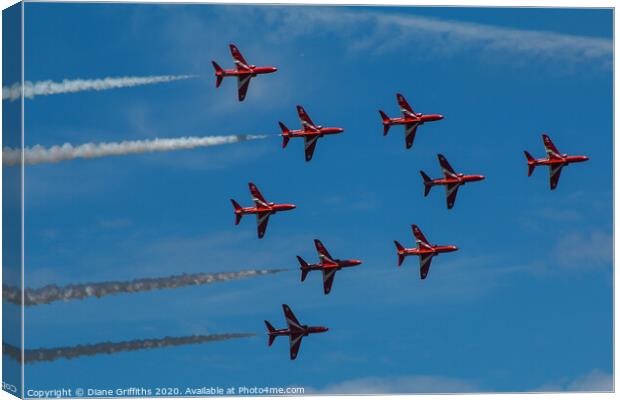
<point x="285" y="134"/>
<point x="270" y="331"/>
<point x="386" y="122"/>
<point x="428" y="183"/>
<point x="305" y="268"/>
<point x="270" y="327"/>
<point x="238" y="213"/>
<point x="400" y="249"/>
<point x="218" y="74"/>
<point x="530" y="163"/>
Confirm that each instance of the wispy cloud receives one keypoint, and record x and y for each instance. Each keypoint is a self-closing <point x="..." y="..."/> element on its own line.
<point x="594" y="381"/>
<point x="405" y="384"/>
<point x="380" y="32"/>
<point x="46" y="88"/>
<point x="585" y="250"/>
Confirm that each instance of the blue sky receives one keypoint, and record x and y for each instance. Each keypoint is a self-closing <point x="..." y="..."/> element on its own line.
<point x="525" y="304"/>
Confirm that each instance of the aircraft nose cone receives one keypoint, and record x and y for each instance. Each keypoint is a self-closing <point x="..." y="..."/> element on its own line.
<point x="440" y="116"/>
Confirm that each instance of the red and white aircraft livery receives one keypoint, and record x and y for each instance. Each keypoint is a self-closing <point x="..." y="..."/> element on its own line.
<point x="263" y="209"/>
<point x="310" y="132"/>
<point x="425" y="250"/>
<point x="295" y="331"/>
<point x="555" y="160"/>
<point x="244" y="72"/>
<point x="451" y="180"/>
<point x="410" y="119"/>
<point x="327" y="264"/>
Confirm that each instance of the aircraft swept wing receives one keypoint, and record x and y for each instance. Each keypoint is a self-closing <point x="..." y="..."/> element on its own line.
<point x="295" y="344"/>
<point x="328" y="279"/>
<point x="425" y="265"/>
<point x="420" y="238"/>
<point x="240" y="62"/>
<point x="328" y="261"/>
<point x="243" y="83"/>
<point x="451" y="192"/>
<point x="554" y="154"/>
<point x="447" y="169"/>
<point x="554" y="175"/>
<point x="305" y="120"/>
<point x="262" y="220"/>
<point x="257" y="197"/>
<point x="296" y="330"/>
<point x="552" y="151"/>
<point x="405" y="108"/>
<point x="324" y="255"/>
<point x="410" y="130"/>
<point x="425" y="259"/>
<point x="310" y="145"/>
<point x="291" y="321"/>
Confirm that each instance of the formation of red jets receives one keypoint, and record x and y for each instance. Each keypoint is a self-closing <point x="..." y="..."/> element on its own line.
<point x="311" y="132"/>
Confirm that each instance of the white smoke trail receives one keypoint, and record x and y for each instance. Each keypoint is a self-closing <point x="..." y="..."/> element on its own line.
<point x="52" y="293"/>
<point x="52" y="354"/>
<point x="45" y="88"/>
<point x="39" y="154"/>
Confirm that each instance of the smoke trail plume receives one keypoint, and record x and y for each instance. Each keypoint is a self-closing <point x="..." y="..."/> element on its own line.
<point x="39" y="154"/>
<point x="45" y="88"/>
<point x="52" y="293"/>
<point x="52" y="354"/>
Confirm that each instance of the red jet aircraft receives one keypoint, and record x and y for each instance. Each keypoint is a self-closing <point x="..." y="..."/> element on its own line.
<point x="425" y="250"/>
<point x="244" y="72"/>
<point x="327" y="264"/>
<point x="263" y="209"/>
<point x="451" y="180"/>
<point x="295" y="331"/>
<point x="555" y="160"/>
<point x="310" y="132"/>
<point x="410" y="119"/>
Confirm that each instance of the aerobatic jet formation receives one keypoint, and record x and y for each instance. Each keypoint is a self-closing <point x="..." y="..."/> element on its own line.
<point x="424" y="250"/>
<point x="410" y="119"/>
<point x="263" y="209"/>
<point x="310" y="132"/>
<point x="244" y="72"/>
<point x="327" y="264"/>
<point x="451" y="180"/>
<point x="555" y="160"/>
<point x="295" y="331"/>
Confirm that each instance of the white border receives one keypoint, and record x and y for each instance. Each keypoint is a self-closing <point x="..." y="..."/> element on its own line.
<point x="470" y="3"/>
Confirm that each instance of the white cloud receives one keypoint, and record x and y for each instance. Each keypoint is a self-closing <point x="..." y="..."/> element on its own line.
<point x="584" y="250"/>
<point x="403" y="385"/>
<point x="380" y="32"/>
<point x="594" y="381"/>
